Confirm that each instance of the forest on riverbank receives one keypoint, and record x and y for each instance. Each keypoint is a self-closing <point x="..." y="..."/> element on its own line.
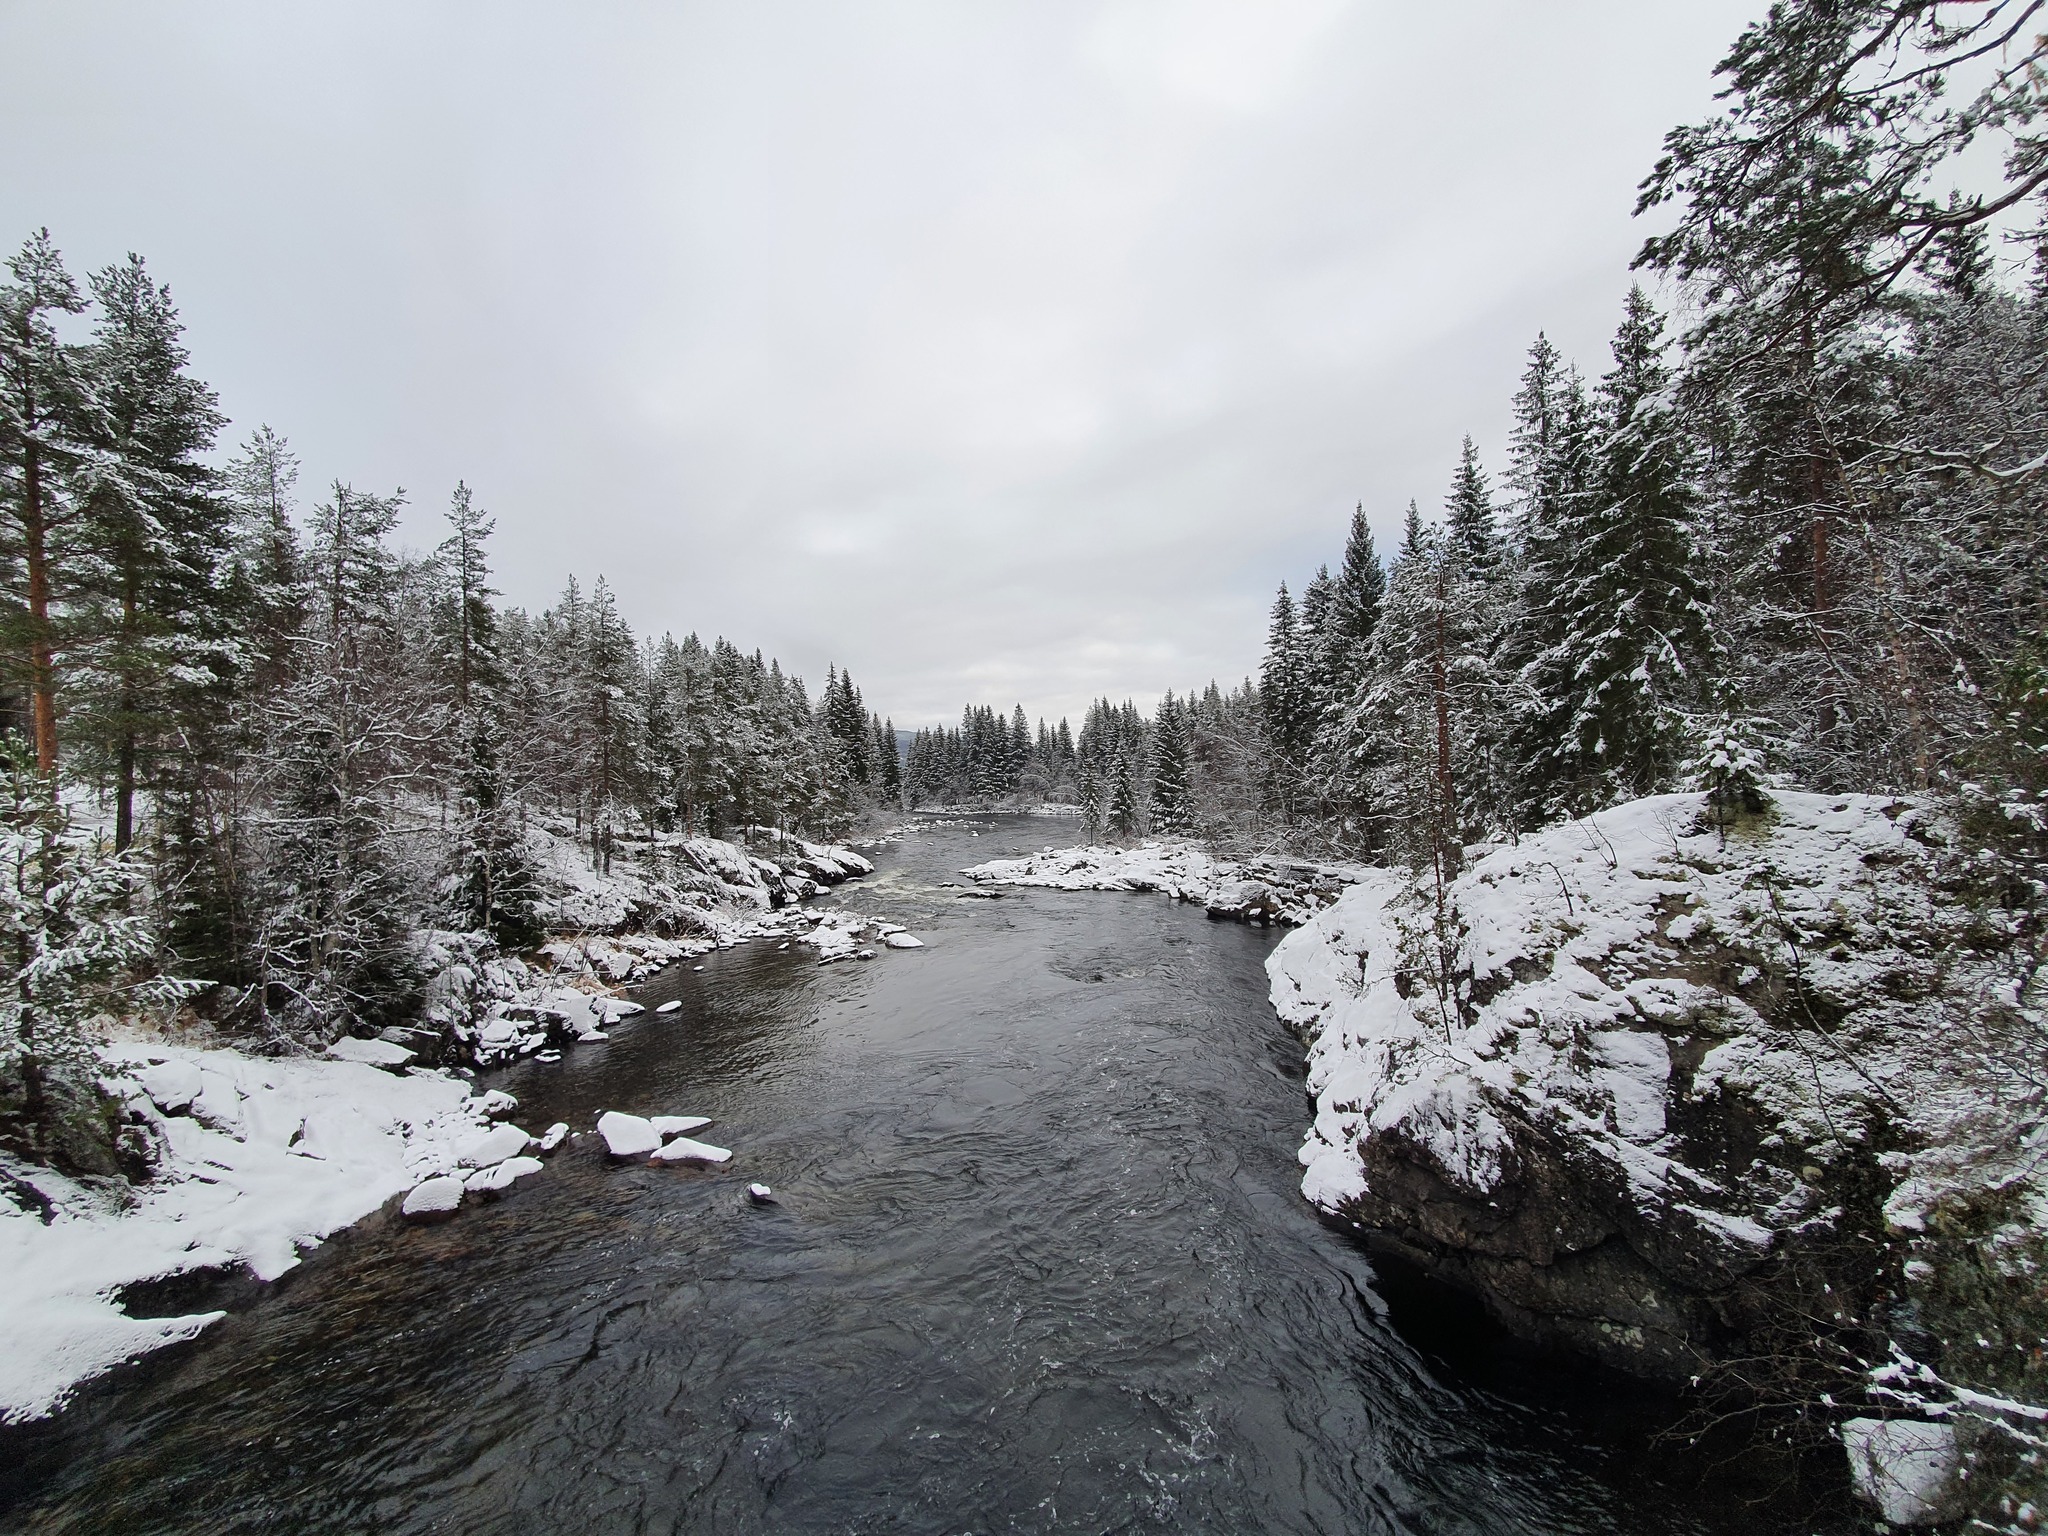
<point x="255" y="750"/>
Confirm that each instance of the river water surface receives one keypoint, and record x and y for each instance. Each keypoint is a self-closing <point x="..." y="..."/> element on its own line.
<point x="1039" y="1264"/>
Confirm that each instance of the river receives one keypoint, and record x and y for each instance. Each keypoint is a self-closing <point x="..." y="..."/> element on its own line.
<point x="1039" y="1263"/>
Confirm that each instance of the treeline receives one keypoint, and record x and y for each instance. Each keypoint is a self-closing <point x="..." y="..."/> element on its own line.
<point x="1804" y="539"/>
<point x="299" y="744"/>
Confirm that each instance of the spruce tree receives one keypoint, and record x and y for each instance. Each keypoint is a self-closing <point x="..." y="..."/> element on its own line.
<point x="1172" y="809"/>
<point x="1470" y="535"/>
<point x="1285" y="705"/>
<point x="1610" y="697"/>
<point x="1125" y="815"/>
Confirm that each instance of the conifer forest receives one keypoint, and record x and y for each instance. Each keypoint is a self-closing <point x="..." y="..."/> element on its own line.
<point x="1633" y="843"/>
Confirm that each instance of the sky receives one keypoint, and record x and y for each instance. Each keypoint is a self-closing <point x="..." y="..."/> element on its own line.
<point x="1002" y="351"/>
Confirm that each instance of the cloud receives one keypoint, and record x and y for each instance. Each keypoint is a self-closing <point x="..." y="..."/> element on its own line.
<point x="995" y="352"/>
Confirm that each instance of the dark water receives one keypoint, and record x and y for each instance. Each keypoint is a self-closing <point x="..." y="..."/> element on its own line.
<point x="1040" y="1264"/>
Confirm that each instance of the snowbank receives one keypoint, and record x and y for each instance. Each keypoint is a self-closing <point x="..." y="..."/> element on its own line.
<point x="260" y="1160"/>
<point x="1265" y="890"/>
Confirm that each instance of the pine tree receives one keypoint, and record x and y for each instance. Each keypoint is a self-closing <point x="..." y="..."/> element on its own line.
<point x="163" y="631"/>
<point x="45" y="418"/>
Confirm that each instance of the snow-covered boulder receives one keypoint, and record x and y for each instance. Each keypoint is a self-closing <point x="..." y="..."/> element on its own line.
<point x="627" y="1135"/>
<point x="678" y="1125"/>
<point x="1907" y="1468"/>
<point x="673" y="1005"/>
<point x="493" y="1146"/>
<point x="171" y="1084"/>
<point x="371" y="1053"/>
<point x="433" y="1199"/>
<point x="903" y="941"/>
<point x="683" y="1150"/>
<point x="552" y="1137"/>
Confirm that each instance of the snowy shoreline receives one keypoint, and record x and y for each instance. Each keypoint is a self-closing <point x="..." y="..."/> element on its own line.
<point x="259" y="1160"/>
<point x="1263" y="890"/>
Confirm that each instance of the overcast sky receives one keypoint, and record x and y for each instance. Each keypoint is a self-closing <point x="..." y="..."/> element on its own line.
<point x="996" y="351"/>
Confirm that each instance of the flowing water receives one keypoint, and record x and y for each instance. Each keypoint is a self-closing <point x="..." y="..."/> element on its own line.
<point x="1039" y="1264"/>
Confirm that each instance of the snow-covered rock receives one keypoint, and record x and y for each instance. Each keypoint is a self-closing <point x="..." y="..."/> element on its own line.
<point x="1263" y="890"/>
<point x="1906" y="1467"/>
<point x="371" y="1053"/>
<point x="497" y="1103"/>
<point x="673" y="1005"/>
<point x="1632" y="1066"/>
<point x="268" y="1157"/>
<point x="677" y="1125"/>
<point x="683" y="1150"/>
<point x="493" y="1146"/>
<point x="760" y="1194"/>
<point x="627" y="1135"/>
<point x="171" y="1084"/>
<point x="432" y="1198"/>
<point x="903" y="941"/>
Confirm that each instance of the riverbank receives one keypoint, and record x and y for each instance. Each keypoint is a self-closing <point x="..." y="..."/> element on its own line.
<point x="258" y="1160"/>
<point x="1039" y="1263"/>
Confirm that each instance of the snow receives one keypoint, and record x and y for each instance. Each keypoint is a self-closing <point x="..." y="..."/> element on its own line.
<point x="1906" y="1467"/>
<point x="627" y="1135"/>
<point x="673" y="1005"/>
<point x="903" y="941"/>
<point x="262" y="1160"/>
<point x="683" y="1150"/>
<point x="494" y="1146"/>
<point x="1284" y="890"/>
<point x="1589" y="953"/>
<point x="437" y="1196"/>
<point x="553" y="1136"/>
<point x="760" y="1194"/>
<point x="374" y="1053"/>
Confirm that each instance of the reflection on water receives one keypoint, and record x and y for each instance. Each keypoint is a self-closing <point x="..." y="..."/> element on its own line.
<point x="1039" y="1264"/>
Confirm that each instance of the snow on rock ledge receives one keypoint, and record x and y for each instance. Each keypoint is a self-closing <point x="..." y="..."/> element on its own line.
<point x="1657" y="1066"/>
<point x="259" y="1159"/>
<point x="1264" y="890"/>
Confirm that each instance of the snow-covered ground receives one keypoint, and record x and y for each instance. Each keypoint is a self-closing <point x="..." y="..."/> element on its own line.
<point x="259" y="1161"/>
<point x="1274" y="890"/>
<point x="1625" y="1065"/>
<point x="1582" y="952"/>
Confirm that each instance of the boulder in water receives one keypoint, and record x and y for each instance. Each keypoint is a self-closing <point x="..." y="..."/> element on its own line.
<point x="627" y="1135"/>
<point x="494" y="1146"/>
<point x="684" y="1150"/>
<point x="434" y="1199"/>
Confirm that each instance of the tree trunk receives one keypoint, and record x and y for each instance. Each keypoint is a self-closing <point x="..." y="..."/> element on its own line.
<point x="42" y="669"/>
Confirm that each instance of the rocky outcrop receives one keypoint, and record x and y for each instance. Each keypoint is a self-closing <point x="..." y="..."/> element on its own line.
<point x="1660" y="1095"/>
